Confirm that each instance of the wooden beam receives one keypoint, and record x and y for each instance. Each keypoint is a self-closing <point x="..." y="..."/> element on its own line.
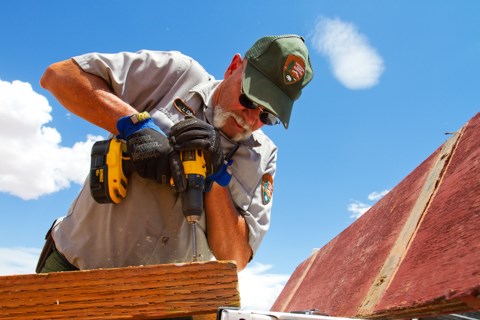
<point x="145" y="292"/>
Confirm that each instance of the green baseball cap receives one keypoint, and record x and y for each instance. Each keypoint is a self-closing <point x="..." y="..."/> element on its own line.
<point x="278" y="67"/>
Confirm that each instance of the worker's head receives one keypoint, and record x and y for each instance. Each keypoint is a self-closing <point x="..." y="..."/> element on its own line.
<point x="262" y="87"/>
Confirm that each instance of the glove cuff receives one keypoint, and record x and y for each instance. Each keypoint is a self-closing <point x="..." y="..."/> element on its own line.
<point x="222" y="177"/>
<point x="128" y="125"/>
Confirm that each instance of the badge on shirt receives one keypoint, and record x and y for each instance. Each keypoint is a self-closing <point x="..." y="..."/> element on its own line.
<point x="267" y="188"/>
<point x="181" y="106"/>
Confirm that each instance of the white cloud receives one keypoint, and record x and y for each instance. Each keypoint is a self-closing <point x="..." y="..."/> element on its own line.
<point x="33" y="163"/>
<point x="18" y="260"/>
<point x="375" y="196"/>
<point x="258" y="289"/>
<point x="358" y="208"/>
<point x="354" y="62"/>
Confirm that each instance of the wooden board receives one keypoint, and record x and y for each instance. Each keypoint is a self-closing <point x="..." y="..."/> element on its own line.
<point x="414" y="253"/>
<point x="146" y="292"/>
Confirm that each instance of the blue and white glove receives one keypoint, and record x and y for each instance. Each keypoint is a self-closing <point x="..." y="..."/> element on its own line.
<point x="150" y="151"/>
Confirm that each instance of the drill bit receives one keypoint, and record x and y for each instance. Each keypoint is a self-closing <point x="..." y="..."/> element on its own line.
<point x="194" y="241"/>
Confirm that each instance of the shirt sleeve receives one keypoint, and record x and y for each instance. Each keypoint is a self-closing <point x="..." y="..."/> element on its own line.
<point x="258" y="214"/>
<point x="144" y="77"/>
<point x="253" y="173"/>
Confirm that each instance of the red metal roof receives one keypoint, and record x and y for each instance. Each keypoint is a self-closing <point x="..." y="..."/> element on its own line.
<point x="415" y="252"/>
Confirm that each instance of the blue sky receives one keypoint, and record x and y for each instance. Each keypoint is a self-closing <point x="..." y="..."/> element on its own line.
<point x="391" y="77"/>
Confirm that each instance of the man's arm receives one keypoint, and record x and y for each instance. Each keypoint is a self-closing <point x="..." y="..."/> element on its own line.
<point x="85" y="94"/>
<point x="227" y="230"/>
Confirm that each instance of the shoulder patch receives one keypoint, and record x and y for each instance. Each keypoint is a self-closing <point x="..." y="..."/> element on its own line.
<point x="181" y="106"/>
<point x="293" y="69"/>
<point x="267" y="188"/>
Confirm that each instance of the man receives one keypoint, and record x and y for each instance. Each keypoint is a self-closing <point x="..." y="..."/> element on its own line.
<point x="161" y="103"/>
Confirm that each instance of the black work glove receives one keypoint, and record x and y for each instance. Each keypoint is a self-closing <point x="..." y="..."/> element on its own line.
<point x="193" y="133"/>
<point x="150" y="153"/>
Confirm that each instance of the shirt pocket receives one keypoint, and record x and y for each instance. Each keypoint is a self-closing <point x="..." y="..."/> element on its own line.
<point x="166" y="116"/>
<point x="164" y="119"/>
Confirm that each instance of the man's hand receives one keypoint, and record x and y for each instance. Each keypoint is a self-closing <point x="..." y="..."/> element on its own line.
<point x="150" y="152"/>
<point x="193" y="133"/>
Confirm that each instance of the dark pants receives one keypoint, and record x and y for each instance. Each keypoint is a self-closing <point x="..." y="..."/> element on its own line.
<point x="50" y="259"/>
<point x="56" y="262"/>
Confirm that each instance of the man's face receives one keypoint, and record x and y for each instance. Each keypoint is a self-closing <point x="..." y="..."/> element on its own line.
<point x="231" y="117"/>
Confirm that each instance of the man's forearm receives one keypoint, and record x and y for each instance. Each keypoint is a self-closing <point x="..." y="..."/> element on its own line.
<point x="85" y="95"/>
<point x="227" y="231"/>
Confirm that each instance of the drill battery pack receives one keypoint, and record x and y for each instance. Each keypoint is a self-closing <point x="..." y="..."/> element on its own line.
<point x="108" y="181"/>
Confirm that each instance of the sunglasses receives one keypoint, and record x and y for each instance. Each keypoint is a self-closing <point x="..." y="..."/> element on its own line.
<point x="266" y="117"/>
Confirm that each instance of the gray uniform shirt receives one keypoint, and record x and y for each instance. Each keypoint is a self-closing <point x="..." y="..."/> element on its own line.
<point x="148" y="226"/>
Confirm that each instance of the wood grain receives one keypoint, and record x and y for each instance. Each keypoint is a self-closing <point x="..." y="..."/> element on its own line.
<point x="145" y="292"/>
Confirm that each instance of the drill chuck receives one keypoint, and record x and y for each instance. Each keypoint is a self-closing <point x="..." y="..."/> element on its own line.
<point x="192" y="197"/>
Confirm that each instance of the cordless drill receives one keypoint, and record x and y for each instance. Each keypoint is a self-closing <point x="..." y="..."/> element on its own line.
<point x="195" y="169"/>
<point x="111" y="167"/>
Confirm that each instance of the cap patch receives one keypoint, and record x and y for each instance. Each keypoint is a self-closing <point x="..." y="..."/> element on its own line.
<point x="181" y="106"/>
<point x="293" y="69"/>
<point x="267" y="188"/>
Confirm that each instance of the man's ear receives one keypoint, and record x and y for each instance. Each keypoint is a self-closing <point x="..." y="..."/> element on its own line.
<point x="234" y="65"/>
